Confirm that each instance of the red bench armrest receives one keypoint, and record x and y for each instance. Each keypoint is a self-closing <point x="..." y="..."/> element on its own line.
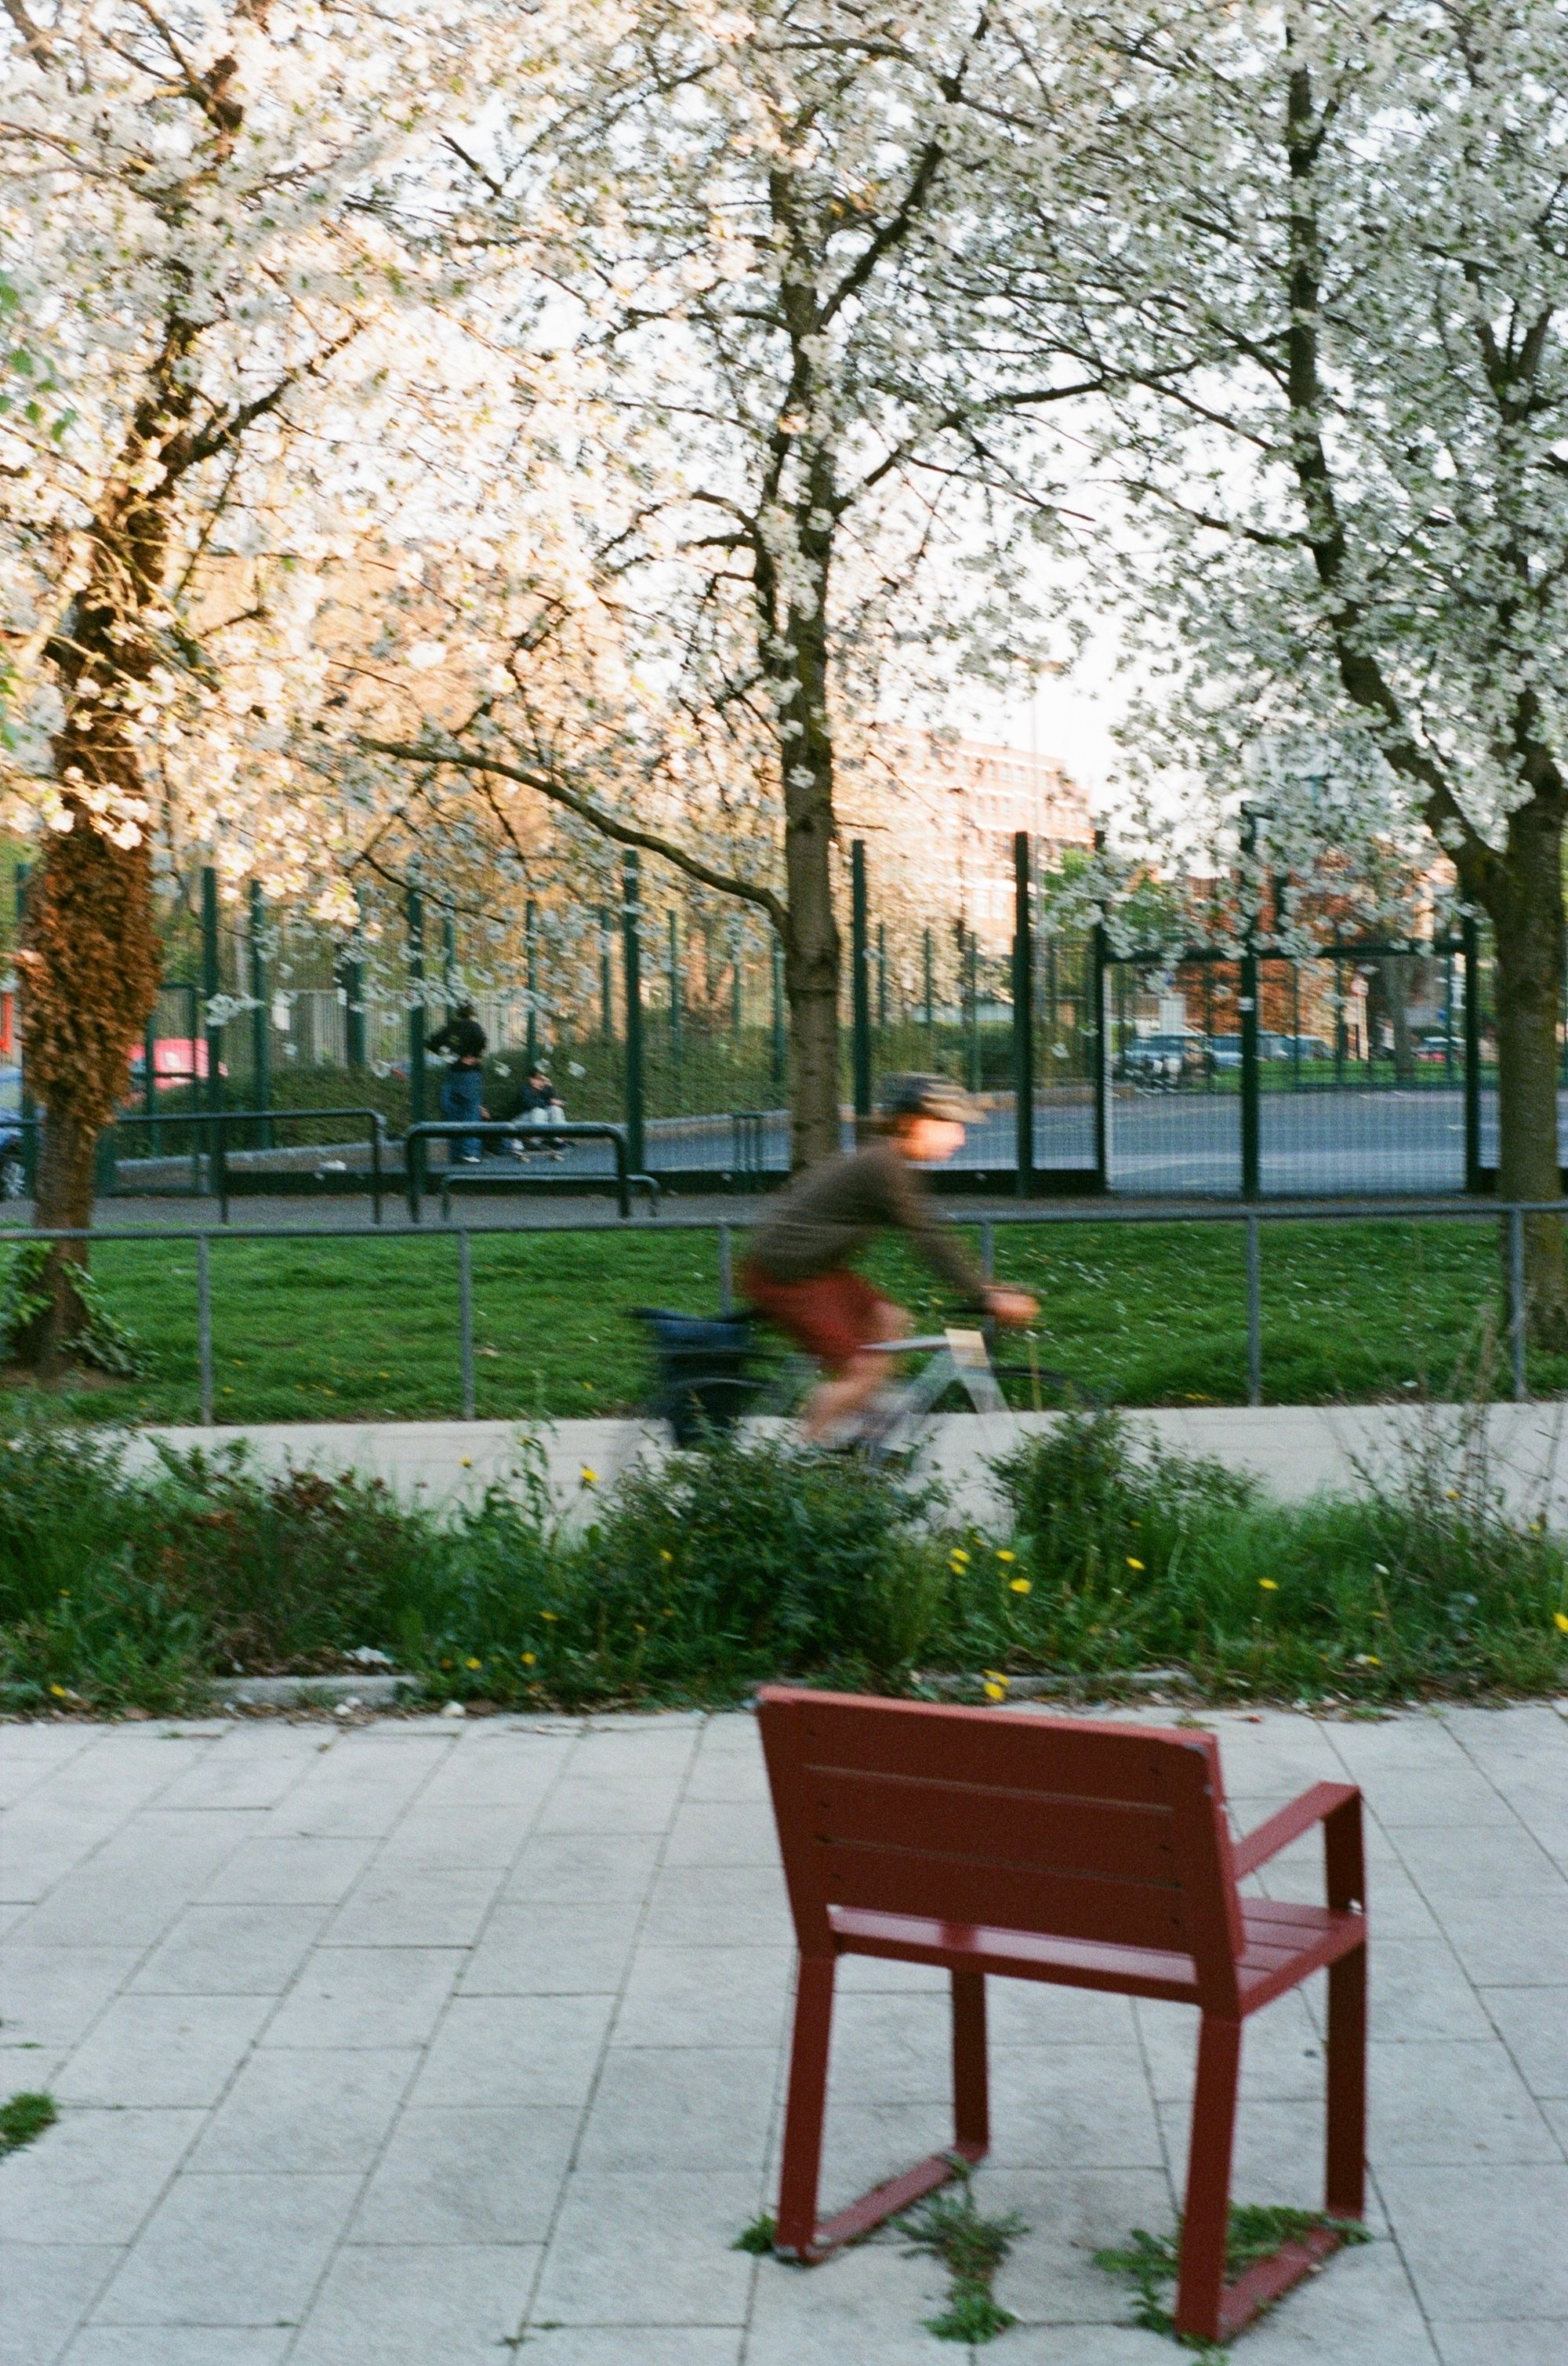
<point x="1314" y="1807"/>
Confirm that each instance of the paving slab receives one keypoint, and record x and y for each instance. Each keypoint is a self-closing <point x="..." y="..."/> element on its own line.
<point x="425" y="2040"/>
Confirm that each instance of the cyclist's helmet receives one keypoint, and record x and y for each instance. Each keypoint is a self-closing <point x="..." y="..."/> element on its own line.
<point x="926" y="1096"/>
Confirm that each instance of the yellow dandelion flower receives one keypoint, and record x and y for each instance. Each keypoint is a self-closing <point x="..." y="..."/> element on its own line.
<point x="1002" y="1554"/>
<point x="1132" y="1564"/>
<point x="59" y="1691"/>
<point x="1368" y="1660"/>
<point x="528" y="1659"/>
<point x="664" y="1553"/>
<point x="1268" y="1585"/>
<point x="589" y="1478"/>
<point x="958" y="1553"/>
<point x="473" y="1664"/>
<point x="1020" y="1585"/>
<point x="996" y="1692"/>
<point x="550" y="1615"/>
<point x="995" y="1676"/>
<point x="1560" y="1621"/>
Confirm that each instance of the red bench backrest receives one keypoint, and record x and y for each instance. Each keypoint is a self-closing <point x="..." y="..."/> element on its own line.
<point x="1063" y="1827"/>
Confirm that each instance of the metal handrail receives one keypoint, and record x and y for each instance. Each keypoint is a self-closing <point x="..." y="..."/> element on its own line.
<point x="514" y="1129"/>
<point x="220" y="1119"/>
<point x="1321" y="1211"/>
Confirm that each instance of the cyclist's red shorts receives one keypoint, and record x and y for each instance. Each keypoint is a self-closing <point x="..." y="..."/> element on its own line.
<point x="831" y="1315"/>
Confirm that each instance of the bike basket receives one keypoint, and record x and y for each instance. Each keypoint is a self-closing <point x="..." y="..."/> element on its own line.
<point x="702" y="1369"/>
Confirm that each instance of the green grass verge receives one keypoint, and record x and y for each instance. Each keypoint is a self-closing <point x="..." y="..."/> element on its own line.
<point x="364" y="1328"/>
<point x="751" y="1560"/>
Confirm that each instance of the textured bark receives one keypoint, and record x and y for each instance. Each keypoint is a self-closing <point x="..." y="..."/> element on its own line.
<point x="1523" y="896"/>
<point x="89" y="974"/>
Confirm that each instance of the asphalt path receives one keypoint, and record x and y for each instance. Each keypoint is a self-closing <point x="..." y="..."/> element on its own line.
<point x="1314" y="1142"/>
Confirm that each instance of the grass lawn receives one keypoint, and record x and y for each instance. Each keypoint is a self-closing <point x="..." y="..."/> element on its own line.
<point x="358" y="1328"/>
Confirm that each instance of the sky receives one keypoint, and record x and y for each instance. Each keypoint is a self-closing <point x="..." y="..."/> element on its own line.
<point x="1070" y="716"/>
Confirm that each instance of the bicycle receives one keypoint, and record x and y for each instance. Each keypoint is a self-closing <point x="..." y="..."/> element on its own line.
<point x="708" y="1381"/>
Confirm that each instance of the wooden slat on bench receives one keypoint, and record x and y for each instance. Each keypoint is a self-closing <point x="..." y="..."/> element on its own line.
<point x="968" y="1889"/>
<point x="909" y="1737"/>
<point x="1113" y="1839"/>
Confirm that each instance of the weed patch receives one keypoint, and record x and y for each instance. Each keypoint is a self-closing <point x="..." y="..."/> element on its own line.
<point x="22" y="2119"/>
<point x="1256" y="2231"/>
<point x="951" y="2227"/>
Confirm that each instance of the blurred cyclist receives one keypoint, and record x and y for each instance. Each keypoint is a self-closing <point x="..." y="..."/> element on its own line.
<point x="799" y="1271"/>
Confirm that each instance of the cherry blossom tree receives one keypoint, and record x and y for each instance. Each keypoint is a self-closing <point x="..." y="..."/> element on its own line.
<point x="1325" y="273"/>
<point x="221" y="235"/>
<point x="802" y="478"/>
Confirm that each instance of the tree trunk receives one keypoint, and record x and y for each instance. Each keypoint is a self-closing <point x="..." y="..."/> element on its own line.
<point x="89" y="973"/>
<point x="1524" y="902"/>
<point x="811" y="986"/>
<point x="1394" y="978"/>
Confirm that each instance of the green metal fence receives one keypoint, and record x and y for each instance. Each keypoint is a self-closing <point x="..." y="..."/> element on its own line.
<point x="1364" y="1067"/>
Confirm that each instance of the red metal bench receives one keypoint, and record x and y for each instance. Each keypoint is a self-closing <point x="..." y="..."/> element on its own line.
<point x="1061" y="1849"/>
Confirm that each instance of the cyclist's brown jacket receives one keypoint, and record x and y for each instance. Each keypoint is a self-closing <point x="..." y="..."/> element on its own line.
<point x="826" y="1216"/>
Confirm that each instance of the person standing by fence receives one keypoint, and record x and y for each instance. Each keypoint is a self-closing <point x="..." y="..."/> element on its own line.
<point x="463" y="1086"/>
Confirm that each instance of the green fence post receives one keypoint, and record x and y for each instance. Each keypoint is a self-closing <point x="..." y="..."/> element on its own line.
<point x="212" y="1036"/>
<point x="1469" y="938"/>
<point x="27" y="1107"/>
<point x="449" y="967"/>
<point x="261" y="1032"/>
<point x="414" y="1155"/>
<point x="1024" y="1011"/>
<point x="859" y="982"/>
<point x="1248" y="1004"/>
<point x="928" y="981"/>
<point x="675" y="1011"/>
<point x="530" y="978"/>
<point x="1099" y="1041"/>
<point x="632" y="968"/>
<point x="606" y="978"/>
<point x="972" y="1001"/>
<point x="352" y="973"/>
<point x="780" y="1034"/>
<point x="737" y="987"/>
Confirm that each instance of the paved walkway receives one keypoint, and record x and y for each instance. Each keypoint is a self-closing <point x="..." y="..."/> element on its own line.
<point x="1292" y="1449"/>
<point x="403" y="2045"/>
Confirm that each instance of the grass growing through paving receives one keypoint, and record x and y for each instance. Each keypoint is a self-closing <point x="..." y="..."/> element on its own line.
<point x="366" y="1328"/>
<point x="1256" y="2231"/>
<point x="949" y="2226"/>
<point x="751" y="1560"/>
<point x="22" y="2119"/>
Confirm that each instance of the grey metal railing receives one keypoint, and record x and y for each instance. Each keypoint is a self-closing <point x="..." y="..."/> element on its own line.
<point x="1512" y="1213"/>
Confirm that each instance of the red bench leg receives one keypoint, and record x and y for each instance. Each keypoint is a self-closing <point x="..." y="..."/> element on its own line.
<point x="971" y="2111"/>
<point x="795" y="2235"/>
<point x="1345" y="2181"/>
<point x="1200" y="2291"/>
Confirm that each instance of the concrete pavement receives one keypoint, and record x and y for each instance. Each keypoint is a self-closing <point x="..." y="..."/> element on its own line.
<point x="1293" y="1450"/>
<point x="426" y="2042"/>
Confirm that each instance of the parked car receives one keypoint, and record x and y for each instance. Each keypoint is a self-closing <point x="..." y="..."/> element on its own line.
<point x="1160" y="1059"/>
<point x="1224" y="1052"/>
<point x="1273" y="1046"/>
